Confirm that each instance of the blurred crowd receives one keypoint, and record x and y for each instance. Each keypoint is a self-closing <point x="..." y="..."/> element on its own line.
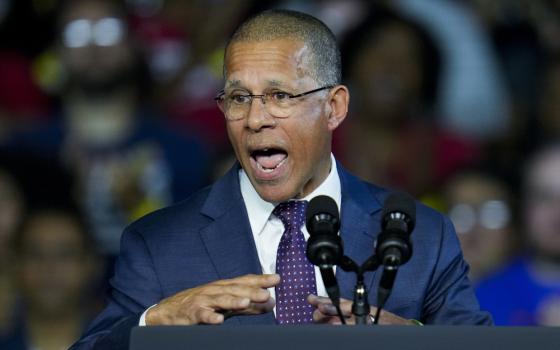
<point x="107" y="113"/>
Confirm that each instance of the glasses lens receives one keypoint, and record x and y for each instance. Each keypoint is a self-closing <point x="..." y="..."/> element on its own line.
<point x="233" y="110"/>
<point x="108" y="31"/>
<point x="463" y="217"/>
<point x="77" y="33"/>
<point x="494" y="215"/>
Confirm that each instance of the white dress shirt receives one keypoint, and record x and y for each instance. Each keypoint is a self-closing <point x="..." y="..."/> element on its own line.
<point x="267" y="229"/>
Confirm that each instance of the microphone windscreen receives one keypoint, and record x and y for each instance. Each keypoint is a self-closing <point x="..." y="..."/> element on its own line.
<point x="400" y="202"/>
<point x="321" y="205"/>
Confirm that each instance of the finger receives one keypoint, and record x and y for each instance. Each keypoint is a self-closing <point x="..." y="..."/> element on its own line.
<point x="346" y="306"/>
<point x="317" y="300"/>
<point x="258" y="308"/>
<point x="321" y="318"/>
<point x="267" y="306"/>
<point x="255" y="294"/>
<point x="226" y="302"/>
<point x="208" y="316"/>
<point x="326" y="307"/>
<point x="385" y="318"/>
<point x="262" y="281"/>
<point x="252" y="309"/>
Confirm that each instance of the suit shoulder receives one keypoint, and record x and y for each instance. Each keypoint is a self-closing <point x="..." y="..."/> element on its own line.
<point x="423" y="212"/>
<point x="428" y="220"/>
<point x="185" y="213"/>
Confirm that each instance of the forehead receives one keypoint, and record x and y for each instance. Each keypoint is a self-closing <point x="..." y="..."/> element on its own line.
<point x="92" y="10"/>
<point x="281" y="60"/>
<point x="476" y="188"/>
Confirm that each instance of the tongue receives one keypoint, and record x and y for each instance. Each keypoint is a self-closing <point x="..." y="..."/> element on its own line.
<point x="270" y="161"/>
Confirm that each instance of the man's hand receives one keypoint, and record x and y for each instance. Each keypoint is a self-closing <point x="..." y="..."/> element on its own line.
<point x="212" y="302"/>
<point x="325" y="312"/>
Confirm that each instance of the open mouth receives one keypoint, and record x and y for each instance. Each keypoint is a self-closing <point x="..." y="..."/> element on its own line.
<point x="269" y="159"/>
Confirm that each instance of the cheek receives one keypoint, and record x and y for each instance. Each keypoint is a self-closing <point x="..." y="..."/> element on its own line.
<point x="313" y="125"/>
<point x="310" y="142"/>
<point x="234" y="135"/>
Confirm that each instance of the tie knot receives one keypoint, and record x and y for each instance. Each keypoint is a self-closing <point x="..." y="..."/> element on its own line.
<point x="291" y="213"/>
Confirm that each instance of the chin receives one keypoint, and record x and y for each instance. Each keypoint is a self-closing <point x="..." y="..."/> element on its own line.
<point x="274" y="193"/>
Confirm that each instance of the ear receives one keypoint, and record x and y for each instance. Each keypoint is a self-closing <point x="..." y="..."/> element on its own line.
<point x="221" y="107"/>
<point x="339" y="97"/>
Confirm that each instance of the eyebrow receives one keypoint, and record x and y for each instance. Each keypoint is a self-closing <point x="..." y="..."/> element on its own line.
<point x="276" y="83"/>
<point x="233" y="83"/>
<point x="237" y="83"/>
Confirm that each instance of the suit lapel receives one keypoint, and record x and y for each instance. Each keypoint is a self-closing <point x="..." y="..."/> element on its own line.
<point x="360" y="225"/>
<point x="228" y="238"/>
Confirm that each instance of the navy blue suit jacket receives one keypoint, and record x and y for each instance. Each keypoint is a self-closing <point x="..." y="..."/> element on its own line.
<point x="208" y="237"/>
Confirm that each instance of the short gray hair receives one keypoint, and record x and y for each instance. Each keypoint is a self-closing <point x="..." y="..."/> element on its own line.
<point x="286" y="24"/>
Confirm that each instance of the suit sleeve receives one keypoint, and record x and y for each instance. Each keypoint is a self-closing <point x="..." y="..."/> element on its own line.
<point x="134" y="288"/>
<point x="450" y="298"/>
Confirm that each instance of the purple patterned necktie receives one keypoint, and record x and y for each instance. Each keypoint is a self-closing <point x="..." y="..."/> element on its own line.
<point x="297" y="274"/>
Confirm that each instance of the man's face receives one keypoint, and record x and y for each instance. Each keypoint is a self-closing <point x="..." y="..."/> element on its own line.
<point x="543" y="206"/>
<point x="95" y="48"/>
<point x="283" y="157"/>
<point x="54" y="269"/>
<point x="388" y="72"/>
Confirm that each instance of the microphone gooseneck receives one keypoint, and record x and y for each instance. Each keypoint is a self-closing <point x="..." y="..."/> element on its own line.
<point x="324" y="246"/>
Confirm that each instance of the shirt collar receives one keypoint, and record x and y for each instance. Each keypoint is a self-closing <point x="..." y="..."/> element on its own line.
<point x="259" y="210"/>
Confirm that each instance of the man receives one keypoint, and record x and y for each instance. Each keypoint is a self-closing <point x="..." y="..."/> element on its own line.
<point x="211" y="259"/>
<point x="56" y="269"/>
<point x="127" y="163"/>
<point x="526" y="291"/>
<point x="479" y="204"/>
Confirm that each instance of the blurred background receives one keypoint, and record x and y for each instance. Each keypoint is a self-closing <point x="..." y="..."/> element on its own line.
<point x="107" y="113"/>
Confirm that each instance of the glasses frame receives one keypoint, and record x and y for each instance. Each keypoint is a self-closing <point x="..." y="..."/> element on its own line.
<point x="220" y="96"/>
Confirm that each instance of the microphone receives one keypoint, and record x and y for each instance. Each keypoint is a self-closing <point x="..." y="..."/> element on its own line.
<point x="324" y="246"/>
<point x="398" y="218"/>
<point x="393" y="246"/>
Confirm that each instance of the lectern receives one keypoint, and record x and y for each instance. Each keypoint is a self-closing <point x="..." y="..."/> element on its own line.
<point x="341" y="337"/>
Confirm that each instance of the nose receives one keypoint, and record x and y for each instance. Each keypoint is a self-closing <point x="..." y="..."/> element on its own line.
<point x="258" y="116"/>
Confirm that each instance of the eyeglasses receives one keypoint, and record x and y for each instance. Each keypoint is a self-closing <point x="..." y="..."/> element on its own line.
<point x="107" y="31"/>
<point x="493" y="214"/>
<point x="279" y="104"/>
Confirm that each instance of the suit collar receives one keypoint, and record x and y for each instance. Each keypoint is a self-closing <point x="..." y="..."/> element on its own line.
<point x="368" y="198"/>
<point x="224" y="194"/>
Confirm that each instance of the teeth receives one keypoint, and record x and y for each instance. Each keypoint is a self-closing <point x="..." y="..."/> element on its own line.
<point x="267" y="170"/>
